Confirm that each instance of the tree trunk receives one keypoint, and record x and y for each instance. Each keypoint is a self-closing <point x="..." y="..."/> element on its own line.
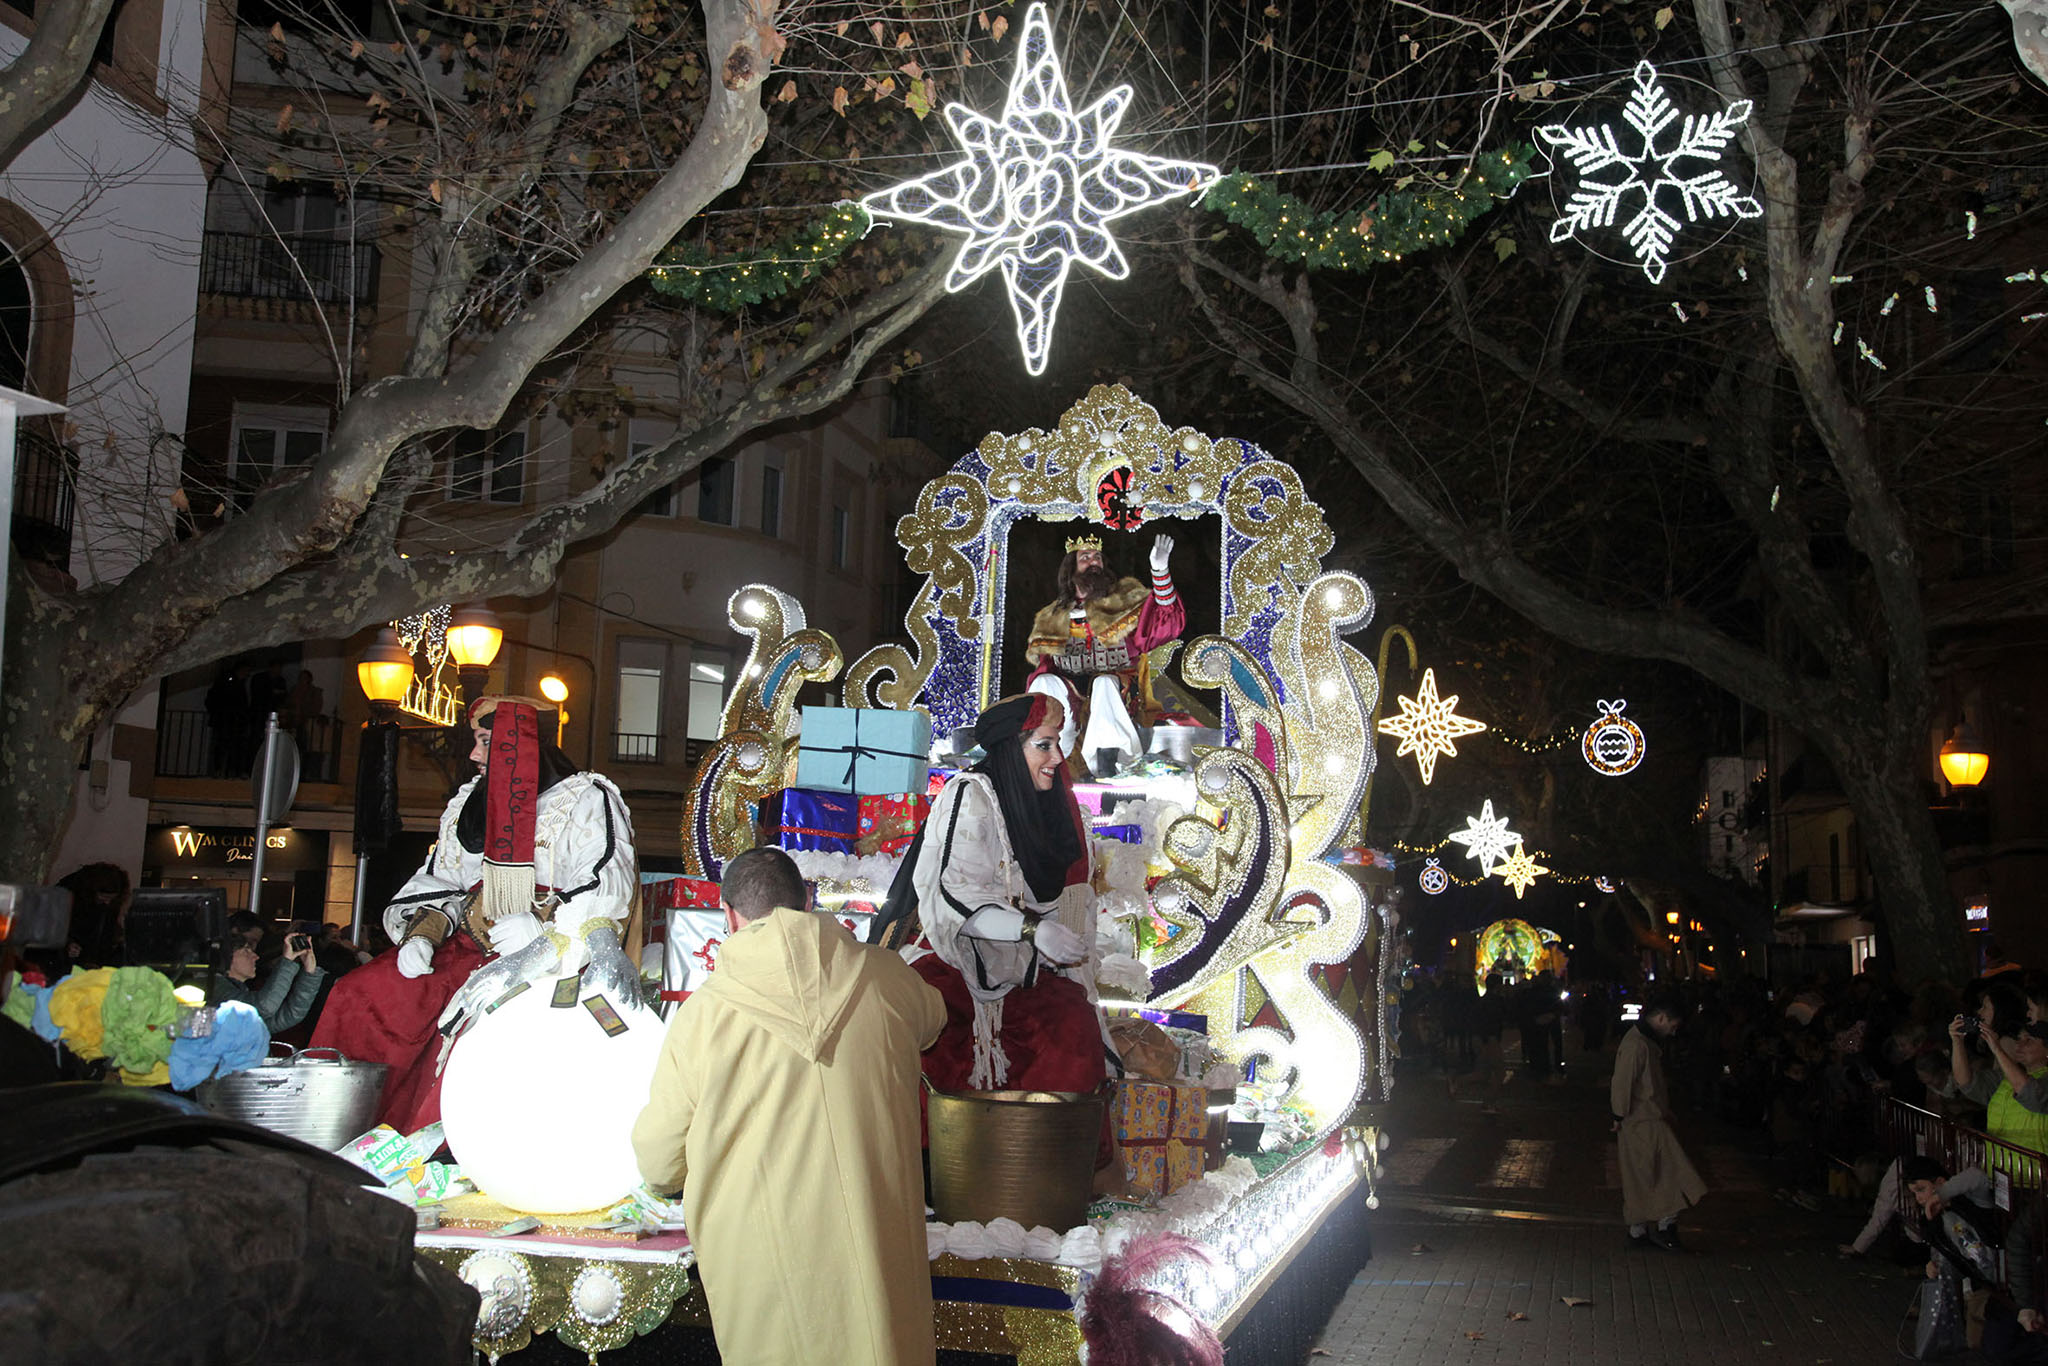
<point x="1915" y="906"/>
<point x="45" y="720"/>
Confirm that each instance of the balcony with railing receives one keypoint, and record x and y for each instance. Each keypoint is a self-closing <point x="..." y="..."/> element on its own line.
<point x="631" y="748"/>
<point x="190" y="745"/>
<point x="246" y="265"/>
<point x="45" y="486"/>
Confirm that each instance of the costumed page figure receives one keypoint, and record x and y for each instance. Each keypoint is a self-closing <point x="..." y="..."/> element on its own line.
<point x="1088" y="648"/>
<point x="533" y="875"/>
<point x="999" y="877"/>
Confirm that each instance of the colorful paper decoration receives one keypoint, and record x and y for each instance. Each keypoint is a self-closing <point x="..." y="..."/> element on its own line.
<point x="1650" y="171"/>
<point x="1037" y="189"/>
<point x="1519" y="870"/>
<point x="1429" y="725"/>
<point x="1614" y="745"/>
<point x="1433" y="879"/>
<point x="1486" y="837"/>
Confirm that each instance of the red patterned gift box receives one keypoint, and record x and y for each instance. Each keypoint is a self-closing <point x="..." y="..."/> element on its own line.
<point x="1160" y="1130"/>
<point x="889" y="824"/>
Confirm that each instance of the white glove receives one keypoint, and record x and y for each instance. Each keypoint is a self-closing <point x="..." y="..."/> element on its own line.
<point x="514" y="932"/>
<point x="1162" y="546"/>
<point x="415" y="958"/>
<point x="1058" y="943"/>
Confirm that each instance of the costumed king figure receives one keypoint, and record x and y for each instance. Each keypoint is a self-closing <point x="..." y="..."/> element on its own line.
<point x="533" y="875"/>
<point x="1000" y="879"/>
<point x="1088" y="649"/>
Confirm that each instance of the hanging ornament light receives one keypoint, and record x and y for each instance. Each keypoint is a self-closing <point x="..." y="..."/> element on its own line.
<point x="1614" y="745"/>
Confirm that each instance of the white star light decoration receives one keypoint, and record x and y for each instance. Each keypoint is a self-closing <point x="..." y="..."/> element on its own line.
<point x="1486" y="836"/>
<point x="1651" y="172"/>
<point x="1037" y="188"/>
<point x="1519" y="870"/>
<point x="1429" y="726"/>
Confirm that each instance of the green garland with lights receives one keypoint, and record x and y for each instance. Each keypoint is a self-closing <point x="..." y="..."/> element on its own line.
<point x="726" y="283"/>
<point x="1391" y="226"/>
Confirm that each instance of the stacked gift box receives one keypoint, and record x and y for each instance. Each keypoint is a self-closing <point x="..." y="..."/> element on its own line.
<point x="862" y="779"/>
<point x="682" y="915"/>
<point x="1161" y="1130"/>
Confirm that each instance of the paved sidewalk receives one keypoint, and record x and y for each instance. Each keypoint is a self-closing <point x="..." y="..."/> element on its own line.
<point x="1484" y="1218"/>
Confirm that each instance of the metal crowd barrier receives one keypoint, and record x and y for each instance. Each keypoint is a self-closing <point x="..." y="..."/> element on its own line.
<point x="2014" y="1172"/>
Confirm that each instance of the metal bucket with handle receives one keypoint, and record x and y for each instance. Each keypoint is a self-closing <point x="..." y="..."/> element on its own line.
<point x="312" y="1094"/>
<point x="1022" y="1155"/>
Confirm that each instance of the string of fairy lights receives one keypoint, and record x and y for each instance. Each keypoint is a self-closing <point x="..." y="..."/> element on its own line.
<point x="1386" y="228"/>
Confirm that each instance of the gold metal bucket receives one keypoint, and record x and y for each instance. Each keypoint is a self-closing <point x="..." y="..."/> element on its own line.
<point x="1022" y="1155"/>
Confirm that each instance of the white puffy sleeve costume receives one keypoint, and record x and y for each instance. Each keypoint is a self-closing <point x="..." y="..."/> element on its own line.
<point x="973" y="901"/>
<point x="585" y="871"/>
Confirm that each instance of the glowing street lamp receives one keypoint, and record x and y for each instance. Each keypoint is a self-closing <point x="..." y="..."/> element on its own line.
<point x="556" y="690"/>
<point x="1963" y="760"/>
<point x="385" y="672"/>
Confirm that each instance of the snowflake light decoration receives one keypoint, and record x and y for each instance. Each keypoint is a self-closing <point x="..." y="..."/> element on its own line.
<point x="1486" y="836"/>
<point x="1519" y="870"/>
<point x="1653" y="172"/>
<point x="1429" y="725"/>
<point x="1037" y="188"/>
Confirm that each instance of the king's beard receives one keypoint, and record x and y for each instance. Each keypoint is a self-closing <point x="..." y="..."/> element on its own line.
<point x="1093" y="583"/>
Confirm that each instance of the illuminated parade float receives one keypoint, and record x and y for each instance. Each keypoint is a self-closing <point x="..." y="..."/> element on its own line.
<point x="1227" y="913"/>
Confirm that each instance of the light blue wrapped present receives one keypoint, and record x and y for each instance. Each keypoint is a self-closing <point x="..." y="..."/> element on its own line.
<point x="866" y="751"/>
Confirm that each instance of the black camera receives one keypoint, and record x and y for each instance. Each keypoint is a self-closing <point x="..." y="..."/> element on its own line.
<point x="1972" y="1026"/>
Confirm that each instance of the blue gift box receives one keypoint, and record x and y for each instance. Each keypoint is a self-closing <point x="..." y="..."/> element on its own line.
<point x="864" y="751"/>
<point x="829" y="821"/>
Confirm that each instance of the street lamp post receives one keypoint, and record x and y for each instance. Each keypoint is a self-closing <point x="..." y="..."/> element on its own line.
<point x="385" y="673"/>
<point x="556" y="690"/>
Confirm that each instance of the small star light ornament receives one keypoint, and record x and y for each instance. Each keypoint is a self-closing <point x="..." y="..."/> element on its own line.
<point x="1652" y="171"/>
<point x="1433" y="879"/>
<point x="1486" y="837"/>
<point x="1519" y="870"/>
<point x="1428" y="726"/>
<point x="1037" y="189"/>
<point x="1614" y="745"/>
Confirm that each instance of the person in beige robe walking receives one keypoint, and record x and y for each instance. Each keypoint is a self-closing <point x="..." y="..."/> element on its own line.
<point x="785" y="1105"/>
<point x="1658" y="1180"/>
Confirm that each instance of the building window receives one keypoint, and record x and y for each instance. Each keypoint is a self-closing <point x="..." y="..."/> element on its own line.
<point x="771" y="500"/>
<point x="17" y="315"/>
<point x="708" y="669"/>
<point x="487" y="467"/>
<point x="643" y="670"/>
<point x="842" y="537"/>
<point x="714" y="492"/>
<point x="645" y="436"/>
<point x="269" y="440"/>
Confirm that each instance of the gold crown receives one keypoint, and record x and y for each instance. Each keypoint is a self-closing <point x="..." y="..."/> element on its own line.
<point x="1075" y="543"/>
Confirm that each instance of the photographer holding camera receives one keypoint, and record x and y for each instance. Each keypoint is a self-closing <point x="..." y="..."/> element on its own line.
<point x="287" y="991"/>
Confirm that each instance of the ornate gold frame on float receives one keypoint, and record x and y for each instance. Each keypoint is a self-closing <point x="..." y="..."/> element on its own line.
<point x="1252" y="899"/>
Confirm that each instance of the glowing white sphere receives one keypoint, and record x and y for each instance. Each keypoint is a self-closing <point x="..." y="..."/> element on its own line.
<point x="538" y="1104"/>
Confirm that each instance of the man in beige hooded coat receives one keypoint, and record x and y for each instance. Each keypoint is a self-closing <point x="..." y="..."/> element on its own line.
<point x="1657" y="1179"/>
<point x="785" y="1106"/>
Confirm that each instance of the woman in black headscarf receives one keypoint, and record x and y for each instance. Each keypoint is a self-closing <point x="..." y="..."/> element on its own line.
<point x="1000" y="877"/>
